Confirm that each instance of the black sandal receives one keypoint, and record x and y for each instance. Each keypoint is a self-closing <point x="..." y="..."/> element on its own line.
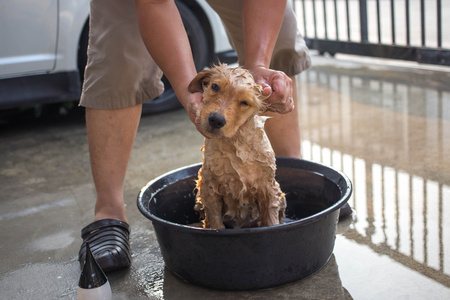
<point x="109" y="243"/>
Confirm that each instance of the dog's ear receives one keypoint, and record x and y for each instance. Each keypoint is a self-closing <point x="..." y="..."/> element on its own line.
<point x="263" y="105"/>
<point x="200" y="81"/>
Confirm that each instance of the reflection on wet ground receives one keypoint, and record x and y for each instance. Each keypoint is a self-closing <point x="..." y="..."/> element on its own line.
<point x="389" y="131"/>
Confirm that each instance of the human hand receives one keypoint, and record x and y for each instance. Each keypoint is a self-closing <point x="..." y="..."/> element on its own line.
<point x="277" y="86"/>
<point x="191" y="103"/>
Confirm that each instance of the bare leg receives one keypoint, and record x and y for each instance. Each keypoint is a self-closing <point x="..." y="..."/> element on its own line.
<point x="111" y="135"/>
<point x="283" y="130"/>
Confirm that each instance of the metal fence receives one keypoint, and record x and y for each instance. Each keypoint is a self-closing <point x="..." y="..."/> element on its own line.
<point x="414" y="30"/>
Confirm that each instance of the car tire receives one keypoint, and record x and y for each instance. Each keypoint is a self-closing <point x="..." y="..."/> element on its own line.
<point x="200" y="52"/>
<point x="82" y="50"/>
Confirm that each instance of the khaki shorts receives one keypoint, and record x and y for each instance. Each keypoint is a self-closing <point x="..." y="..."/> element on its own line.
<point x="290" y="54"/>
<point x="121" y="73"/>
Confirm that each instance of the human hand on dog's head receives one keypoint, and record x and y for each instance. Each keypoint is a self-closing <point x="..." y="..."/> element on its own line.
<point x="277" y="86"/>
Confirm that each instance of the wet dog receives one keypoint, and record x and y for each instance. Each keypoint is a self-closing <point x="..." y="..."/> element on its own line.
<point x="236" y="184"/>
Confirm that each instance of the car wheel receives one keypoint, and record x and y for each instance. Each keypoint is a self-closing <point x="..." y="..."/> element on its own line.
<point x="82" y="51"/>
<point x="199" y="46"/>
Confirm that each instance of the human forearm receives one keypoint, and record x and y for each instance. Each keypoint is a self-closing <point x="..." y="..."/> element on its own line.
<point x="164" y="35"/>
<point x="262" y="21"/>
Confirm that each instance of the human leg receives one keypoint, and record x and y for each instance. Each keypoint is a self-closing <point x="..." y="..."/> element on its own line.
<point x="284" y="131"/>
<point x="111" y="135"/>
<point x="119" y="77"/>
<point x="292" y="57"/>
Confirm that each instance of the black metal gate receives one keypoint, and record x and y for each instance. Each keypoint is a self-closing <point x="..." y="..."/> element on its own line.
<point x="397" y="29"/>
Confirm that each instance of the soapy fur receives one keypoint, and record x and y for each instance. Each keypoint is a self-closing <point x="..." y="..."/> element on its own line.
<point x="236" y="186"/>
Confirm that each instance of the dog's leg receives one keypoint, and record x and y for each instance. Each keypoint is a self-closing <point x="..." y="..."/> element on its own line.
<point x="210" y="205"/>
<point x="265" y="206"/>
<point x="213" y="213"/>
<point x="282" y="202"/>
<point x="276" y="210"/>
<point x="271" y="207"/>
<point x="281" y="199"/>
<point x="273" y="214"/>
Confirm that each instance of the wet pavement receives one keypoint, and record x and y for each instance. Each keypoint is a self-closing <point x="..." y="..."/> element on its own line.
<point x="386" y="126"/>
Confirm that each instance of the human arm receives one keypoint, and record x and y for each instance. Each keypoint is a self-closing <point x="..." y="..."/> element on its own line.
<point x="262" y="21"/>
<point x="164" y="36"/>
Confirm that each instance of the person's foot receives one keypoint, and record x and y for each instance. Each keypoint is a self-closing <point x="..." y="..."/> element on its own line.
<point x="109" y="243"/>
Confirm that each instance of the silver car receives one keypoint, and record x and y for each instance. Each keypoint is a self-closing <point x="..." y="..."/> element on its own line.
<point x="43" y="47"/>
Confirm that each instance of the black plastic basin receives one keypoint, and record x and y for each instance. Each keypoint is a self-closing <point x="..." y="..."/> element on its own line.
<point x="251" y="258"/>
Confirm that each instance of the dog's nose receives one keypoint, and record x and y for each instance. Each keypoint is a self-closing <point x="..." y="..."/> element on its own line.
<point x="216" y="120"/>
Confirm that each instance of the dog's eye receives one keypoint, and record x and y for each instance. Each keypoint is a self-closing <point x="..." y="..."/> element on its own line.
<point x="215" y="87"/>
<point x="244" y="103"/>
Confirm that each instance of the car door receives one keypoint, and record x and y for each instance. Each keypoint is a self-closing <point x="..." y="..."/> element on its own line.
<point x="28" y="36"/>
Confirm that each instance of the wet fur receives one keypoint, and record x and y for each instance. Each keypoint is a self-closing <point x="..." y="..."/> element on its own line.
<point x="236" y="185"/>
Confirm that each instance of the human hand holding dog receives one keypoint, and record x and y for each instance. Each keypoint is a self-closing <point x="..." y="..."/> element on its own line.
<point x="191" y="102"/>
<point x="277" y="86"/>
<point x="260" y="38"/>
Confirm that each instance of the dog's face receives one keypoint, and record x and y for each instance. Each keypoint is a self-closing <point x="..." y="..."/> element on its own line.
<point x="230" y="98"/>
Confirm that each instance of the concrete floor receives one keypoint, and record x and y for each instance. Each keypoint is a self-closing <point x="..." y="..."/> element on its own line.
<point x="386" y="126"/>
